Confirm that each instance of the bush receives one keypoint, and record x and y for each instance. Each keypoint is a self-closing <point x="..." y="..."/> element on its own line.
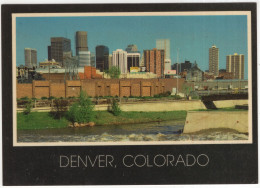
<point x="115" y="108"/>
<point x="60" y="107"/>
<point x="44" y="98"/>
<point x="24" y="98"/>
<point x="82" y="111"/>
<point x="28" y="107"/>
<point x="51" y="97"/>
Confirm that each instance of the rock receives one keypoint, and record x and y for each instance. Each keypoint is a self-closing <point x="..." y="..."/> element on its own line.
<point x="91" y="124"/>
<point x="76" y="124"/>
<point x="70" y="125"/>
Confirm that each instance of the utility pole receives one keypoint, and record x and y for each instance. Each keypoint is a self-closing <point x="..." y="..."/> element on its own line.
<point x="177" y="71"/>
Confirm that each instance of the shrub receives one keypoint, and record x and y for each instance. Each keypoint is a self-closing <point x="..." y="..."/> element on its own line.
<point x="82" y="111"/>
<point x="24" y="98"/>
<point x="43" y="98"/>
<point x="115" y="108"/>
<point x="51" y="97"/>
<point x="28" y="107"/>
<point x="60" y="107"/>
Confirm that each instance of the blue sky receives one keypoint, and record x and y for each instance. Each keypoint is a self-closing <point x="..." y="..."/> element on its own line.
<point x="193" y="35"/>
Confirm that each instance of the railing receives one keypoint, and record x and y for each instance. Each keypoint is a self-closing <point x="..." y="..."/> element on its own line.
<point x="219" y="92"/>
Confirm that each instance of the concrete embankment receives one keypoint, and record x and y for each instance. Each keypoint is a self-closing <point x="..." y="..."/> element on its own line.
<point x="203" y="120"/>
<point x="152" y="106"/>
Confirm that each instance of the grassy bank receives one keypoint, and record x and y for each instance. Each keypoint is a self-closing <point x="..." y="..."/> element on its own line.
<point x="43" y="120"/>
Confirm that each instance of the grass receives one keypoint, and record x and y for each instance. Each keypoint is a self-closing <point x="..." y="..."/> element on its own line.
<point x="42" y="120"/>
<point x="39" y="120"/>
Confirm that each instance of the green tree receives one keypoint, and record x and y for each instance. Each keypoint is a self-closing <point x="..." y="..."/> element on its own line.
<point x="186" y="89"/>
<point x="114" y="72"/>
<point x="28" y="107"/>
<point x="60" y="107"/>
<point x="115" y="108"/>
<point x="82" y="111"/>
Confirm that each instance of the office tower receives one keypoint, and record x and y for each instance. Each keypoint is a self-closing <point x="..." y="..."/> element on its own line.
<point x="182" y="66"/>
<point x="132" y="48"/>
<point x="30" y="56"/>
<point x="164" y="44"/>
<point x="81" y="41"/>
<point x="120" y="60"/>
<point x="84" y="58"/>
<point x="102" y="53"/>
<point x="92" y="59"/>
<point x="60" y="49"/>
<point x="49" y="53"/>
<point x="154" y="61"/>
<point x="133" y="60"/>
<point x="168" y="64"/>
<point x="213" y="60"/>
<point x="236" y="65"/>
<point x="110" y="62"/>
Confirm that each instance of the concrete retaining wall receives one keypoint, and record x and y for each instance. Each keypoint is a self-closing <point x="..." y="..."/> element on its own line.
<point x="202" y="120"/>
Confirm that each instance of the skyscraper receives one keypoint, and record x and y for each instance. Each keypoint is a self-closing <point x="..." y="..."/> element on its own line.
<point x="60" y="49"/>
<point x="84" y="58"/>
<point x="164" y="44"/>
<point x="30" y="57"/>
<point x="49" y="53"/>
<point x="236" y="65"/>
<point x="102" y="53"/>
<point x="120" y="60"/>
<point x="81" y="41"/>
<point x="154" y="61"/>
<point x="214" y="60"/>
<point x="132" y="48"/>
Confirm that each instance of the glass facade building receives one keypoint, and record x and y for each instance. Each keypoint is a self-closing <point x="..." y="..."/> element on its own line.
<point x="102" y="53"/>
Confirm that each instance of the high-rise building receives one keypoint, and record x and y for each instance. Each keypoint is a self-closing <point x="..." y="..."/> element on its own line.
<point x="60" y="49"/>
<point x="81" y="41"/>
<point x="120" y="60"/>
<point x="49" y="53"/>
<point x="92" y="59"/>
<point x="180" y="67"/>
<point x="133" y="60"/>
<point x="102" y="53"/>
<point x="168" y="65"/>
<point x="110" y="62"/>
<point x="154" y="61"/>
<point x="214" y="60"/>
<point x="164" y="44"/>
<point x="84" y="58"/>
<point x="30" y="57"/>
<point x="132" y="48"/>
<point x="236" y="65"/>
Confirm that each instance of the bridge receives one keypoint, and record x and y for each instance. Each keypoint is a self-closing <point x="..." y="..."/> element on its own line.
<point x="208" y="96"/>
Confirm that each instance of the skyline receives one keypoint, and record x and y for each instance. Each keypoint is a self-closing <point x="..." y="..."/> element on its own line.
<point x="193" y="35"/>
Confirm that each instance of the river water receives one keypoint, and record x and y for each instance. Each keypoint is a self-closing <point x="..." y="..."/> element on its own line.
<point x="156" y="131"/>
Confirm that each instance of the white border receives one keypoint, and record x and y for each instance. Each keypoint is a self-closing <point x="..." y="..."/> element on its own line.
<point x="247" y="13"/>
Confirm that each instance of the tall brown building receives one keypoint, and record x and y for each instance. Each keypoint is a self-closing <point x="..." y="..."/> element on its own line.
<point x="81" y="41"/>
<point x="236" y="64"/>
<point x="214" y="60"/>
<point x="154" y="61"/>
<point x="60" y="49"/>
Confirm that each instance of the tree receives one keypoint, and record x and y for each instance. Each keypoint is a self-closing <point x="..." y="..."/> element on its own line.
<point x="114" y="72"/>
<point x="186" y="89"/>
<point x="115" y="108"/>
<point x="82" y="111"/>
<point x="28" y="107"/>
<point x="59" y="108"/>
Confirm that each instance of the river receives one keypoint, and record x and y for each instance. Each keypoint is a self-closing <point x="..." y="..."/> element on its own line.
<point x="156" y="131"/>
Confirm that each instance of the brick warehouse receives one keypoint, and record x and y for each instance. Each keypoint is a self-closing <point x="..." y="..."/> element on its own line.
<point x="98" y="87"/>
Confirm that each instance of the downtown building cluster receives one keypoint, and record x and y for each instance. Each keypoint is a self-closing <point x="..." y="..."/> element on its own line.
<point x="152" y="63"/>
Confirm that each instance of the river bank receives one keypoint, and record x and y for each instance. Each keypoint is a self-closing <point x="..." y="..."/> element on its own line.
<point x="43" y="120"/>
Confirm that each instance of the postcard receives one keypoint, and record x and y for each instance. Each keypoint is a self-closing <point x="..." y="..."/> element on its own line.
<point x="115" y="89"/>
